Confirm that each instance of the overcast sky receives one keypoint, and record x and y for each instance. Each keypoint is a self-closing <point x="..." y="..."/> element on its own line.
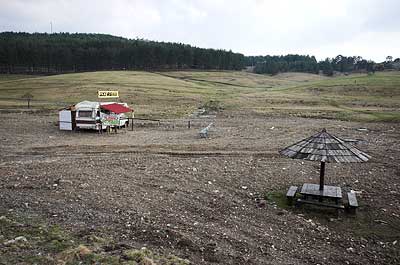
<point x="369" y="28"/>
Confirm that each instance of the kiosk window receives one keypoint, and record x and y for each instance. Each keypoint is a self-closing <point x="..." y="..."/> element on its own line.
<point x="85" y="113"/>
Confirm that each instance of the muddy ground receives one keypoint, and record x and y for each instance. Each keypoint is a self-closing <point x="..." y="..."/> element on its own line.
<point x="163" y="187"/>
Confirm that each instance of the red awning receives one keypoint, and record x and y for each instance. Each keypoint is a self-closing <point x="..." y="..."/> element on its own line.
<point x="116" y="108"/>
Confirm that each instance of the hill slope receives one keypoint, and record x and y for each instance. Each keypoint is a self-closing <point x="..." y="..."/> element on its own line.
<point x="177" y="94"/>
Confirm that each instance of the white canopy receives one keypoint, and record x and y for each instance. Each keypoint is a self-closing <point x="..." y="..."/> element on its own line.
<point x="87" y="105"/>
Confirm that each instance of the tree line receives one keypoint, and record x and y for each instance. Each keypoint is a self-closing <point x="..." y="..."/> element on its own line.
<point x="309" y="64"/>
<point x="287" y="63"/>
<point x="64" y="52"/>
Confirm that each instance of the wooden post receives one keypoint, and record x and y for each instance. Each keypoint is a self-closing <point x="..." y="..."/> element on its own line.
<point x="321" y="176"/>
<point x="188" y="124"/>
<point x="29" y="101"/>
<point x="132" y="117"/>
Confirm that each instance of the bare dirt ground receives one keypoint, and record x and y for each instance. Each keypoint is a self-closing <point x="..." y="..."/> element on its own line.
<point x="165" y="188"/>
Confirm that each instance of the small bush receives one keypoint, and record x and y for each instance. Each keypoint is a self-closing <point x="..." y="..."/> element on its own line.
<point x="212" y="106"/>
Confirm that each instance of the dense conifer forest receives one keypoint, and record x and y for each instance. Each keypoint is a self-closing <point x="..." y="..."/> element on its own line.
<point x="78" y="52"/>
<point x="64" y="52"/>
<point x="308" y="64"/>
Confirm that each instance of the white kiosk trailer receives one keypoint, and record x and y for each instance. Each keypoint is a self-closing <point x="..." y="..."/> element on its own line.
<point x="91" y="115"/>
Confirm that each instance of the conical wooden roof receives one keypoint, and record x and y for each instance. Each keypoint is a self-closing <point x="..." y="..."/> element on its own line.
<point x="325" y="147"/>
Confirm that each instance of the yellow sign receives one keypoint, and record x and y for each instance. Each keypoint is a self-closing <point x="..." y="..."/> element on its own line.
<point x="108" y="94"/>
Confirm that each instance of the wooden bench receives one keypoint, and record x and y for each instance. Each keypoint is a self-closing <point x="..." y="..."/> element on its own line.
<point x="291" y="194"/>
<point x="353" y="203"/>
<point x="331" y="205"/>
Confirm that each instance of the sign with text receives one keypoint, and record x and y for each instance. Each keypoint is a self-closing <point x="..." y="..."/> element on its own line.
<point x="108" y="94"/>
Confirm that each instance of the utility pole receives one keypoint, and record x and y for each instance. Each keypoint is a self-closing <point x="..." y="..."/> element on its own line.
<point x="51" y="27"/>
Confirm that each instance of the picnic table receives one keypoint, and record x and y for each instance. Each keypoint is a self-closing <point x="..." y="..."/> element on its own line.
<point x="325" y="148"/>
<point x="313" y="190"/>
<point x="311" y="194"/>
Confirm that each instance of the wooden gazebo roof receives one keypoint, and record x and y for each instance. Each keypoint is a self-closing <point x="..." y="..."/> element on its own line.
<point x="325" y="147"/>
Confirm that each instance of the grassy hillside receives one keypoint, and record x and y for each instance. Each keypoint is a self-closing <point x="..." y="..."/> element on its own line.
<point x="176" y="94"/>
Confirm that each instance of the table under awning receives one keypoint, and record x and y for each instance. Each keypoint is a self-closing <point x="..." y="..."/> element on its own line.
<point x="116" y="108"/>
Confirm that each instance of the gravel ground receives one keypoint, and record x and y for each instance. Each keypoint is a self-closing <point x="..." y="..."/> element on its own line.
<point x="163" y="187"/>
